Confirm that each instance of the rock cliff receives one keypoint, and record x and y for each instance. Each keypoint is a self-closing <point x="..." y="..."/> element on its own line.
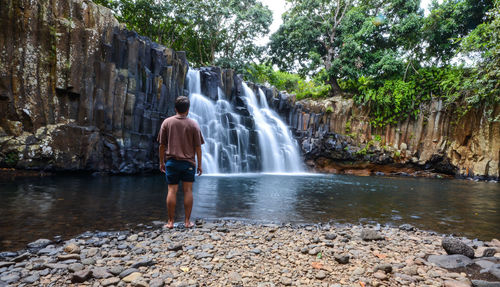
<point x="80" y="92"/>
<point x="336" y="136"/>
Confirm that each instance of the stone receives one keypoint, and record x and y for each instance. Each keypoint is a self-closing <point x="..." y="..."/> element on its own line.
<point x="407" y="227"/>
<point x="174" y="247"/>
<point x="482" y="283"/>
<point x="31" y="279"/>
<point x="321" y="275"/>
<point x="146" y="262"/>
<point x="387" y="268"/>
<point x="494" y="242"/>
<point x="116" y="270"/>
<point x="201" y="255"/>
<point x="110" y="281"/>
<point x="495" y="270"/>
<point x="92" y="252"/>
<point x="81" y="276"/>
<point x="456" y="283"/>
<point x="156" y="283"/>
<point x="64" y="257"/>
<point x="88" y="261"/>
<point x="489" y="252"/>
<point x="450" y="261"/>
<point x="330" y="236"/>
<point x="6" y="264"/>
<point x="370" y="234"/>
<point x="127" y="272"/>
<point x="286" y="281"/>
<point x="72" y="249"/>
<point x="234" y="277"/>
<point x="10" y="278"/>
<point x="100" y="273"/>
<point x="75" y="267"/>
<point x="455" y="246"/>
<point x="133" y="237"/>
<point x="40" y="243"/>
<point x="380" y="275"/>
<point x="21" y="257"/>
<point x="342" y="259"/>
<point x="358" y="271"/>
<point x="132" y="277"/>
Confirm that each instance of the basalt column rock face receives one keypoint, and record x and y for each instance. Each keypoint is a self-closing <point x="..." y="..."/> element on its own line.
<point x="336" y="136"/>
<point x="80" y="92"/>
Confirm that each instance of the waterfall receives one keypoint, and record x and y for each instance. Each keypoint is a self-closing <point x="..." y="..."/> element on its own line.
<point x="235" y="143"/>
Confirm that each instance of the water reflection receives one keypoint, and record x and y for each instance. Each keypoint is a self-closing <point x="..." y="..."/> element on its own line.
<point x="36" y="208"/>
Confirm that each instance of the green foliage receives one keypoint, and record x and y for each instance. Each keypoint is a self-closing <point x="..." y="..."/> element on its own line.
<point x="364" y="150"/>
<point x="397" y="99"/>
<point x="329" y="109"/>
<point x="212" y="32"/>
<point x="448" y="22"/>
<point x="377" y="138"/>
<point x="306" y="89"/>
<point x="284" y="81"/>
<point x="11" y="159"/>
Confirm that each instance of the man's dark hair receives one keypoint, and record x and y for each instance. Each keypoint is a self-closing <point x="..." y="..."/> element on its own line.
<point x="182" y="104"/>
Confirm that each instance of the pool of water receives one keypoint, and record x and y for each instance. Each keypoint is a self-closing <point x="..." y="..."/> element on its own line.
<point x="35" y="208"/>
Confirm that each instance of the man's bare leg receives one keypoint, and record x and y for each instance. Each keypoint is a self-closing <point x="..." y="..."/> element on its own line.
<point x="171" y="200"/>
<point x="187" y="187"/>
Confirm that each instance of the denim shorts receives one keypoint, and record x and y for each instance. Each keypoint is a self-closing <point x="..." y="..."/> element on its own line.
<point x="179" y="170"/>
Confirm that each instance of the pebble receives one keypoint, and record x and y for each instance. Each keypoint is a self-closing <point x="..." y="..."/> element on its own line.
<point x="132" y="277"/>
<point x="241" y="255"/>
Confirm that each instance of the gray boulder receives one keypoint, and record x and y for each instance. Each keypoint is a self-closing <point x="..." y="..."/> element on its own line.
<point x="455" y="246"/>
<point x="450" y="261"/>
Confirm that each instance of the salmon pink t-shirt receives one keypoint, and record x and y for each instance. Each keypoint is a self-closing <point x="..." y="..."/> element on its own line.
<point x="181" y="136"/>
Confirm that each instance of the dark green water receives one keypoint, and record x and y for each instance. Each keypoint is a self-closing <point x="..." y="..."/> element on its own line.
<point x="68" y="205"/>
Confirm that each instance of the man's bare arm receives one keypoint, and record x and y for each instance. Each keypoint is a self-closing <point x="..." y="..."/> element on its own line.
<point x="198" y="155"/>
<point x="161" y="154"/>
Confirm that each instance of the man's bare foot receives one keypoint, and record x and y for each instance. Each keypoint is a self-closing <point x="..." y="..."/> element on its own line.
<point x="189" y="224"/>
<point x="169" y="225"/>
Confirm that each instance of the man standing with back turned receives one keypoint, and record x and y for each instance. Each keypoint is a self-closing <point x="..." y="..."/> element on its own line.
<point x="180" y="139"/>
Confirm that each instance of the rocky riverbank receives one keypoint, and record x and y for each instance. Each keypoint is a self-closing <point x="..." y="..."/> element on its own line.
<point x="227" y="253"/>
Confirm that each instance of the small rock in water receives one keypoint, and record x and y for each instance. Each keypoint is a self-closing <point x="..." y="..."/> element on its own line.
<point x="407" y="227"/>
<point x="455" y="246"/>
<point x="40" y="243"/>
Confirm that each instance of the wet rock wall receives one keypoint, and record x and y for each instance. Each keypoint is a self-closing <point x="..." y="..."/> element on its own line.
<point x="80" y="92"/>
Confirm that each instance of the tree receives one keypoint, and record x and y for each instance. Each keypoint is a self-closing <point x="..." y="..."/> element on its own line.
<point x="212" y="32"/>
<point x="348" y="38"/>
<point x="447" y="23"/>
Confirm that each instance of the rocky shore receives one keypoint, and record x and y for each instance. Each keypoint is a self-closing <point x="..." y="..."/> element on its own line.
<point x="228" y="253"/>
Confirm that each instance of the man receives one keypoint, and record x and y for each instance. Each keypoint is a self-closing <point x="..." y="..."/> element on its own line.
<point x="180" y="139"/>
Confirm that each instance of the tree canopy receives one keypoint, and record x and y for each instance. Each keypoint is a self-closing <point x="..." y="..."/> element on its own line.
<point x="212" y="32"/>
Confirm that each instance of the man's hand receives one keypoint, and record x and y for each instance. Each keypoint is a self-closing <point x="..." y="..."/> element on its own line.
<point x="200" y="171"/>
<point x="162" y="167"/>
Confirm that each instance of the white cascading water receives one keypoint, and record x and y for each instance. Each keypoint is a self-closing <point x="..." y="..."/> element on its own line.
<point x="227" y="147"/>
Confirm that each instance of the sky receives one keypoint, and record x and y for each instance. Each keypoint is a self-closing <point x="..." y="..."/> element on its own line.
<point x="279" y="6"/>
